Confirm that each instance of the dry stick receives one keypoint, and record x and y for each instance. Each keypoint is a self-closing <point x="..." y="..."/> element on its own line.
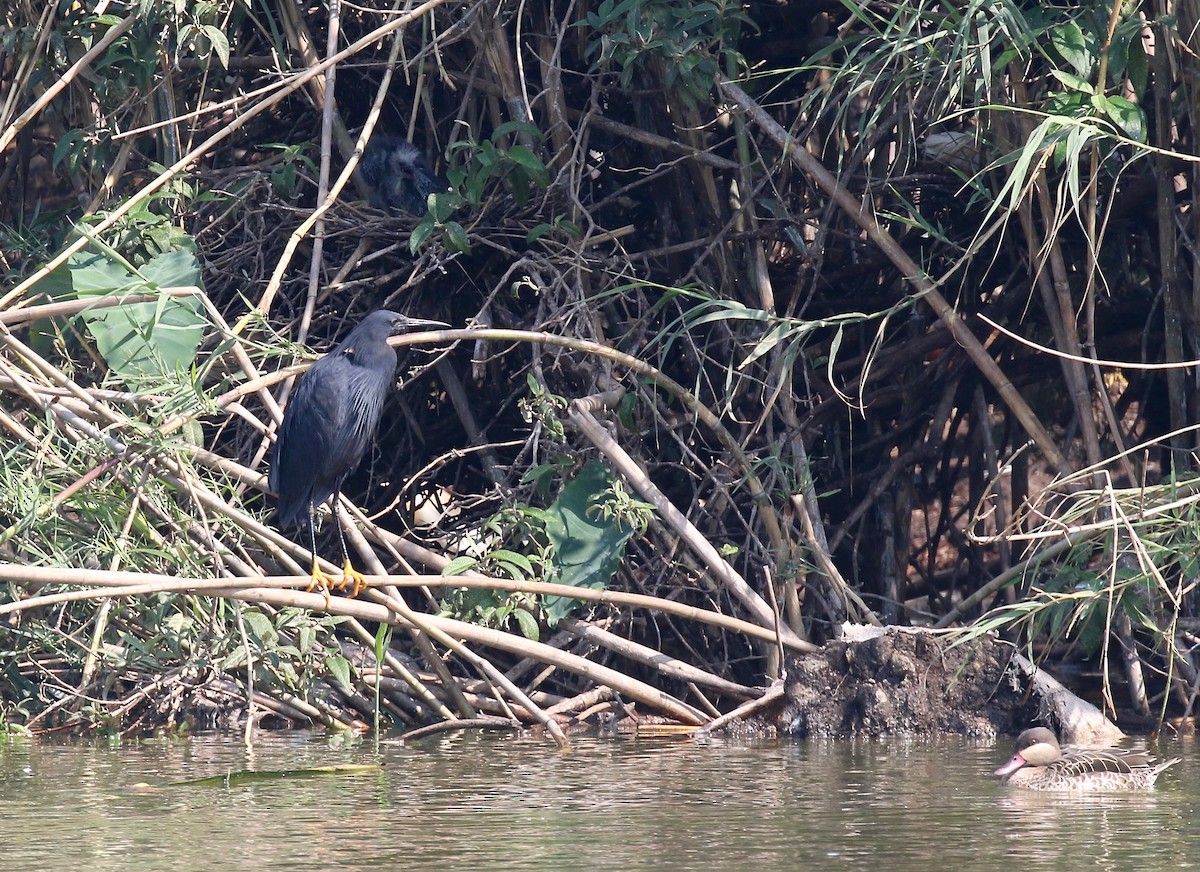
<point x="87" y="304"/>
<point x="112" y="584"/>
<point x="462" y="407"/>
<point x="1057" y="290"/>
<point x="584" y="700"/>
<point x="667" y="665"/>
<point x="18" y="80"/>
<point x="294" y="710"/>
<point x="769" y="584"/>
<point x="331" y="125"/>
<point x="828" y="569"/>
<point x="446" y="726"/>
<point x="296" y="82"/>
<point x="52" y="393"/>
<point x="418" y="688"/>
<point x="174" y="474"/>
<point x="51" y="373"/>
<point x="814" y="532"/>
<point x="316" y="257"/>
<point x="911" y="271"/>
<point x="1065" y="544"/>
<point x="774" y="694"/>
<point x="634" y="134"/>
<point x="101" y="622"/>
<point x="729" y="577"/>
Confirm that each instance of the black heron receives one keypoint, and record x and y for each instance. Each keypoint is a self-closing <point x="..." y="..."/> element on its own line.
<point x="327" y="426"/>
<point x="398" y="176"/>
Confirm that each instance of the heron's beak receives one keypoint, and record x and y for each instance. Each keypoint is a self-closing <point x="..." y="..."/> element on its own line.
<point x="410" y="324"/>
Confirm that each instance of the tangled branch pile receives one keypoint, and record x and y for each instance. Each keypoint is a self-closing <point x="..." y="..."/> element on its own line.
<point x="781" y="315"/>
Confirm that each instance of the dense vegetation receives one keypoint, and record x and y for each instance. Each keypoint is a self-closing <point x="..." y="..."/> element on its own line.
<point x="781" y="315"/>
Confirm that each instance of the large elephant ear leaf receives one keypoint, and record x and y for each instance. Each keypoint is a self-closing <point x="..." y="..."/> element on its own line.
<point x="151" y="340"/>
<point x="587" y="545"/>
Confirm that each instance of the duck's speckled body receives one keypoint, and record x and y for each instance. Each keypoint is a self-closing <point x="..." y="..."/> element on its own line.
<point x="1040" y="764"/>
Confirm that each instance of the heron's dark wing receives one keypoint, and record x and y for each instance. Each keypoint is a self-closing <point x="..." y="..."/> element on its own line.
<point x="364" y="390"/>
<point x="305" y="469"/>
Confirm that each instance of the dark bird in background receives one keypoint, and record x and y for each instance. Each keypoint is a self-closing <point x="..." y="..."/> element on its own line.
<point x="327" y="426"/>
<point x="398" y="176"/>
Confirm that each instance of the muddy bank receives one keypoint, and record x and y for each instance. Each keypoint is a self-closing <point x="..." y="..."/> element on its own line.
<point x="907" y="683"/>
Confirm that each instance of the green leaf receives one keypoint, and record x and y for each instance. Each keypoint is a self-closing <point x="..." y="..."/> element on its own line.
<point x="1127" y="116"/>
<point x="459" y="565"/>
<point x="1069" y="41"/>
<point x="1137" y="66"/>
<point x="383" y="639"/>
<point x="153" y="340"/>
<point x="524" y="157"/>
<point x="1074" y="82"/>
<point x="520" y="561"/>
<point x="528" y="624"/>
<point x="306" y="637"/>
<point x="339" y="668"/>
<point x="220" y="43"/>
<point x="538" y="232"/>
<point x="586" y="548"/>
<point x="420" y="233"/>
<point x="456" y="238"/>
<point x="515" y="127"/>
<point x="258" y="624"/>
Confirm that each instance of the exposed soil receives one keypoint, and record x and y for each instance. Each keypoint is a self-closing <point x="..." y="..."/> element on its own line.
<point x="904" y="683"/>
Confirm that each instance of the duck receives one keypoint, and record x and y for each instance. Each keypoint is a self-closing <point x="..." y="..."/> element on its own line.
<point x="1040" y="764"/>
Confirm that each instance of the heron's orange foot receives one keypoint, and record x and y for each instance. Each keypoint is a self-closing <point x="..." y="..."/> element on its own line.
<point x="323" y="581"/>
<point x="353" y="579"/>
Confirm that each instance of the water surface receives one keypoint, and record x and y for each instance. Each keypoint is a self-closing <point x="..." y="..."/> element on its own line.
<point x="488" y="801"/>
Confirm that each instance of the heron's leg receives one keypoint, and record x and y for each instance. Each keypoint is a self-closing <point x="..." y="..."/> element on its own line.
<point x="351" y="577"/>
<point x="320" y="578"/>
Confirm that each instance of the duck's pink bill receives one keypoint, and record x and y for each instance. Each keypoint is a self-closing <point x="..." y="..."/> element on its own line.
<point x="1011" y="766"/>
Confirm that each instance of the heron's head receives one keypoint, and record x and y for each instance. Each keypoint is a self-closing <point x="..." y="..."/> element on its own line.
<point x="381" y="324"/>
<point x="398" y="324"/>
<point x="366" y="346"/>
<point x="398" y="176"/>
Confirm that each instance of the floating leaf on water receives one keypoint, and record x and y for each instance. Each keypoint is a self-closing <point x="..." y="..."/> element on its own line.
<point x="248" y="776"/>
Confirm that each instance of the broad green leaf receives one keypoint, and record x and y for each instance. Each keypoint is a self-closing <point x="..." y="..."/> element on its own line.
<point x="220" y="43"/>
<point x="459" y="565"/>
<point x="1069" y="41"/>
<point x="586" y="547"/>
<point x="524" y="157"/>
<point x="515" y="127"/>
<point x="420" y="233"/>
<point x="520" y="561"/>
<point x="1074" y="82"/>
<point x="138" y="341"/>
<point x="528" y="624"/>
<point x="456" y="238"/>
<point x="259" y="626"/>
<point x="339" y="668"/>
<point x="1127" y="116"/>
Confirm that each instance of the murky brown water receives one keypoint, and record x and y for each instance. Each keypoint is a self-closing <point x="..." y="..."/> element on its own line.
<point x="494" y="802"/>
